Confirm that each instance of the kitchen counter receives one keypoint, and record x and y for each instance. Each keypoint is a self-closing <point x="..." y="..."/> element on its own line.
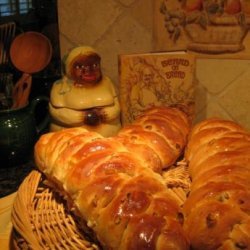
<point x="6" y="204"/>
<point x="12" y="177"/>
<point x="10" y="180"/>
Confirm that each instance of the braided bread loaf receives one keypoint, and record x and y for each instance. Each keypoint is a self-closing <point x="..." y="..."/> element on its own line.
<point x="112" y="182"/>
<point x="217" y="210"/>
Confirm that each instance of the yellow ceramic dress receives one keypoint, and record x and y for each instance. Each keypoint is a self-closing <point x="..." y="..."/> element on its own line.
<point x="71" y="106"/>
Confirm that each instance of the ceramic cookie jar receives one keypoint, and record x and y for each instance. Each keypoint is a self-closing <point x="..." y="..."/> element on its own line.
<point x="84" y="96"/>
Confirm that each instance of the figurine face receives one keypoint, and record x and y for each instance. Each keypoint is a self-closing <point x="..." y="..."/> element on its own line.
<point x="85" y="69"/>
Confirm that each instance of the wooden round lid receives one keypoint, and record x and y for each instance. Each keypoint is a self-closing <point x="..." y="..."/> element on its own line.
<point x="30" y="52"/>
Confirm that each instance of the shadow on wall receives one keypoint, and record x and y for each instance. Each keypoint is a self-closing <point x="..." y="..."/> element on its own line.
<point x="200" y="102"/>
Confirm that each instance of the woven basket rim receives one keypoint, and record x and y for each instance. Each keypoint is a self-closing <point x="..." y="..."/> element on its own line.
<point x="39" y="201"/>
<point x="35" y="201"/>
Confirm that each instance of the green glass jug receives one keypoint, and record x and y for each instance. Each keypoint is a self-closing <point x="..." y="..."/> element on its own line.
<point x="19" y="131"/>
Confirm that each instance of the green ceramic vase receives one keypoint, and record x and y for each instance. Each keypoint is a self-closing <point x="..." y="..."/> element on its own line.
<point x="19" y="132"/>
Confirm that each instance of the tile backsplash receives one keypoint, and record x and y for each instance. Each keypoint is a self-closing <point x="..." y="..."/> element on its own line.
<point x="119" y="27"/>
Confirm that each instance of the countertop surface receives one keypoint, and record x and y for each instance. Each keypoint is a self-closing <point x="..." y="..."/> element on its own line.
<point x="12" y="177"/>
<point x="5" y="218"/>
<point x="10" y="180"/>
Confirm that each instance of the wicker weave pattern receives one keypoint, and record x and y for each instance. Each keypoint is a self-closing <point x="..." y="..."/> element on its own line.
<point x="41" y="219"/>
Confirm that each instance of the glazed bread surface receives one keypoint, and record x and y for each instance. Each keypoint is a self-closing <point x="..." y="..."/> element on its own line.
<point x="217" y="210"/>
<point x="115" y="184"/>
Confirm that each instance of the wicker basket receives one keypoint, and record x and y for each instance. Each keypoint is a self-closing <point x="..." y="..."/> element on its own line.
<point x="41" y="219"/>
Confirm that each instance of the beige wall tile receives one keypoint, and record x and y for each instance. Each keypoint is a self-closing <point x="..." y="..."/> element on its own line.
<point x="85" y="21"/>
<point x="142" y="11"/>
<point x="236" y="99"/>
<point x="131" y="38"/>
<point x="126" y="2"/>
<point x="201" y="97"/>
<point x="116" y="27"/>
<point x="215" y="75"/>
<point x="212" y="109"/>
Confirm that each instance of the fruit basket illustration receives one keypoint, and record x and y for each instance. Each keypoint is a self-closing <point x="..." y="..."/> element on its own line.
<point x="212" y="26"/>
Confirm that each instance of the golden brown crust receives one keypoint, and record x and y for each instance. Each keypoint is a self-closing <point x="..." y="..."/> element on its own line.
<point x="114" y="182"/>
<point x="172" y="112"/>
<point x="151" y="158"/>
<point x="222" y="173"/>
<point x="219" y="191"/>
<point x="150" y="232"/>
<point x="209" y="129"/>
<point x="212" y="223"/>
<point x="51" y="144"/>
<point x="136" y="135"/>
<point x="241" y="157"/>
<point x="217" y="210"/>
<point x="163" y="130"/>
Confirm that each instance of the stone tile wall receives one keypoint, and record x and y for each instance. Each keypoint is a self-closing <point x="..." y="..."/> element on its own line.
<point x="115" y="27"/>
